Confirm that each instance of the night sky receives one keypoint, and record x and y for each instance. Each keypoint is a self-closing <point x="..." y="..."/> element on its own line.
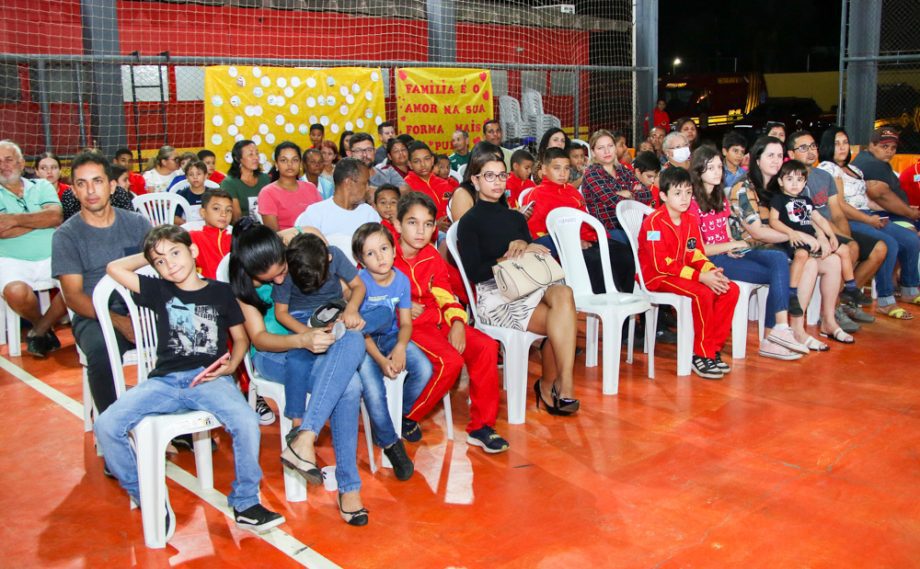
<point x="764" y="35"/>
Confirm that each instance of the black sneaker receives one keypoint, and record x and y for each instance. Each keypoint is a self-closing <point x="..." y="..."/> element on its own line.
<point x="855" y="297"/>
<point x="402" y="465"/>
<point x="723" y="367"/>
<point x="327" y="313"/>
<point x="706" y="368"/>
<point x="38" y="346"/>
<point x="257" y="519"/>
<point x="53" y="342"/>
<point x="411" y="431"/>
<point x="266" y="415"/>
<point x="488" y="439"/>
<point x="795" y="308"/>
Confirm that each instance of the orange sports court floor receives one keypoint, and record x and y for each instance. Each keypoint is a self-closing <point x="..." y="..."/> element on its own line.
<point x="814" y="464"/>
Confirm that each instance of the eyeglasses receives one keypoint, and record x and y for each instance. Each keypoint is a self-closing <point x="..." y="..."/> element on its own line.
<point x="368" y="150"/>
<point x="492" y="176"/>
<point x="806" y="147"/>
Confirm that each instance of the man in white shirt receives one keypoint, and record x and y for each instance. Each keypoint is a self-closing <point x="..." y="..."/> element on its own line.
<point x="347" y="210"/>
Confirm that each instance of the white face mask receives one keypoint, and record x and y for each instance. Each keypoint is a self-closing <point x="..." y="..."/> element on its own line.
<point x="681" y="154"/>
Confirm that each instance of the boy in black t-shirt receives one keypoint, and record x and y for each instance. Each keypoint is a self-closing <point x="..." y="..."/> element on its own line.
<point x="193" y="317"/>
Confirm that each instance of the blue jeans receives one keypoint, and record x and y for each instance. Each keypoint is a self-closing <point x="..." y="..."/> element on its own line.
<point x="172" y="394"/>
<point x="344" y="418"/>
<point x="418" y="368"/>
<point x="903" y="245"/>
<point x="761" y="266"/>
<point x="335" y="390"/>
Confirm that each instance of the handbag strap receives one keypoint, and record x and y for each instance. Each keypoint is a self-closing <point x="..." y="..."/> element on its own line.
<point x="549" y="272"/>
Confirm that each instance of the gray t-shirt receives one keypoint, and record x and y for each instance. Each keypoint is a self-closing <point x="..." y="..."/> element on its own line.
<point x="820" y="187"/>
<point x="339" y="268"/>
<point x="874" y="169"/>
<point x="381" y="176"/>
<point x="80" y="249"/>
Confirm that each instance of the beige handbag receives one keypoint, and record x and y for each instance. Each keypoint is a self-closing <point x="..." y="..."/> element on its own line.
<point x="518" y="277"/>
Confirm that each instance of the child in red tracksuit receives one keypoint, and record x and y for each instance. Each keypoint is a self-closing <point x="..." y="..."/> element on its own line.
<point x="213" y="240"/>
<point x="672" y="260"/>
<point x="441" y="330"/>
<point x="422" y="179"/>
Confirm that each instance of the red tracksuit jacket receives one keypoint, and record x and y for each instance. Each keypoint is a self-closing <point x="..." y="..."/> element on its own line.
<point x="668" y="250"/>
<point x="435" y="188"/>
<point x="213" y="244"/>
<point x="430" y="285"/>
<point x="547" y="197"/>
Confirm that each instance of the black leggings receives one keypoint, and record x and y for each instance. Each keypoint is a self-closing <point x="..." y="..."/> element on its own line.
<point x="621" y="263"/>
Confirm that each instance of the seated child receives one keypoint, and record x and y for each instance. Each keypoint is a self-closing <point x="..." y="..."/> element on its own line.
<point x="578" y="160"/>
<point x="420" y="179"/>
<point x="672" y="260"/>
<point x="647" y="167"/>
<point x="442" y="170"/>
<point x="196" y="173"/>
<point x="442" y="332"/>
<point x="622" y="149"/>
<point x="554" y="191"/>
<point x="210" y="160"/>
<point x="385" y="199"/>
<point x="311" y="297"/>
<point x="390" y="352"/>
<point x="194" y="318"/>
<point x="519" y="180"/>
<point x="213" y="239"/>
<point x="793" y="214"/>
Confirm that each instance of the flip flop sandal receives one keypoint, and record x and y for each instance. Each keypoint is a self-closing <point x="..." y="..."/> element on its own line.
<point x="916" y="300"/>
<point x="815" y="345"/>
<point x="838" y="335"/>
<point x="895" y="312"/>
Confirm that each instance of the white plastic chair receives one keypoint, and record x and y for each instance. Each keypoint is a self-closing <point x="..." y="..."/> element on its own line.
<point x="512" y="121"/>
<point x="515" y="342"/>
<point x="742" y="313"/>
<point x="524" y="195"/>
<point x="11" y="324"/>
<point x="630" y="214"/>
<point x="612" y="307"/>
<point x="154" y="432"/>
<point x="160" y="207"/>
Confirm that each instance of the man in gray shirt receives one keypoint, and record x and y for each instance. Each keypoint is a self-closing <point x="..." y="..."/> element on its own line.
<point x="362" y="148"/>
<point x="81" y="248"/>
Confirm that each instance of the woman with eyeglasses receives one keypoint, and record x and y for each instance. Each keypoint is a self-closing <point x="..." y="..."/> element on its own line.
<point x="162" y="168"/>
<point x="491" y="232"/>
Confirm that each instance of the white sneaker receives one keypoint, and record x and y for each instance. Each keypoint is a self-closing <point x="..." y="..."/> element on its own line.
<point x="777" y="352"/>
<point x="785" y="338"/>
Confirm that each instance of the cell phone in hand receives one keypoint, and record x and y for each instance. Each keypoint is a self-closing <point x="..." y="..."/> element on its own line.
<point x="742" y="252"/>
<point x="217" y="363"/>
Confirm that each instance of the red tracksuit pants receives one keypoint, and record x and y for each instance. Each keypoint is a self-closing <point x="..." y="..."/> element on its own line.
<point x="481" y="359"/>
<point x="712" y="313"/>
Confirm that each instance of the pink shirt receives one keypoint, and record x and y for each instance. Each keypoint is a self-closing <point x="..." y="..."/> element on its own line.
<point x="286" y="205"/>
<point x="714" y="224"/>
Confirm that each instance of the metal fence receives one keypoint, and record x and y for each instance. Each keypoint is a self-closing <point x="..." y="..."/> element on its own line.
<point x="880" y="69"/>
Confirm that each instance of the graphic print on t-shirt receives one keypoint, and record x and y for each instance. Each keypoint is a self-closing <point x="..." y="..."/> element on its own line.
<point x="192" y="328"/>
<point x="799" y="211"/>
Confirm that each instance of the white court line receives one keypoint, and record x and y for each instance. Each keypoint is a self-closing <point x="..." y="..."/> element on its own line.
<point x="277" y="538"/>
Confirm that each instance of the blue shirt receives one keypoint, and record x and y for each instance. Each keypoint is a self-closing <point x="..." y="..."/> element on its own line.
<point x="395" y="295"/>
<point x="339" y="268"/>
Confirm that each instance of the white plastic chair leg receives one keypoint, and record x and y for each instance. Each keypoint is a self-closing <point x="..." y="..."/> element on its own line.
<point x="684" y="338"/>
<point x="448" y="417"/>
<point x="516" y="381"/>
<point x="591" y="338"/>
<point x="367" y="435"/>
<point x="88" y="406"/>
<point x="761" y="298"/>
<point x="394" y="393"/>
<point x="295" y="488"/>
<point x="151" y="476"/>
<point x="739" y="326"/>
<point x="611" y="352"/>
<point x="204" y="466"/>
<point x="813" y="312"/>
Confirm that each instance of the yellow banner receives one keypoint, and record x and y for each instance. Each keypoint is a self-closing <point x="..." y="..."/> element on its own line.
<point x="269" y="105"/>
<point x="433" y="102"/>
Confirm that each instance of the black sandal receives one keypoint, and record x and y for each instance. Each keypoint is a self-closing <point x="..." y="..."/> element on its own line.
<point x="356" y="518"/>
<point x="311" y="473"/>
